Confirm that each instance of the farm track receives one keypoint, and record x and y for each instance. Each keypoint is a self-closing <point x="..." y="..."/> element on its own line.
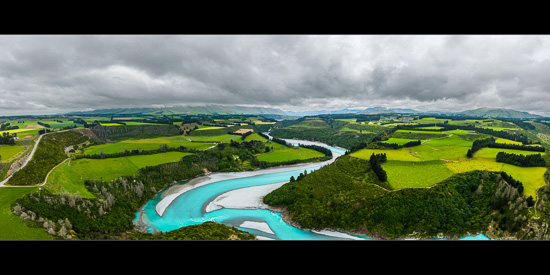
<point x="2" y="183"/>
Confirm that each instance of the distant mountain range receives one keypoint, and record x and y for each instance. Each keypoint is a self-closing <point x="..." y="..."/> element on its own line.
<point x="226" y="110"/>
<point x="187" y="110"/>
<point x="497" y="113"/>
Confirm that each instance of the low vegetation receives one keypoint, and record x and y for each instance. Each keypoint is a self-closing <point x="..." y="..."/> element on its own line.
<point x="204" y="231"/>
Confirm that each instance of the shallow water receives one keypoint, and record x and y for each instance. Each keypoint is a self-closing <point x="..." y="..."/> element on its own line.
<point x="189" y="208"/>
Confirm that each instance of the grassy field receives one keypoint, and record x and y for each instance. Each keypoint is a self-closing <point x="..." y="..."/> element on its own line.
<point x="220" y="138"/>
<point x="146" y="144"/>
<point x="399" y="141"/>
<point x="465" y="165"/>
<point x="9" y="152"/>
<point x="427" y="153"/>
<point x="12" y="228"/>
<point x="281" y="152"/>
<point x="492" y="152"/>
<point x="402" y="174"/>
<point x="531" y="177"/>
<point x="202" y="128"/>
<point x="70" y="176"/>
<point x="399" y="154"/>
<point x="507" y="141"/>
<point x="23" y="133"/>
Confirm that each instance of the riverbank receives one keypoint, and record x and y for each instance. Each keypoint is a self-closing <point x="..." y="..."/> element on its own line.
<point x="170" y="194"/>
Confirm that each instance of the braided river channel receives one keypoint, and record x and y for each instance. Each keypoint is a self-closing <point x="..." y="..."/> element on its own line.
<point x="235" y="199"/>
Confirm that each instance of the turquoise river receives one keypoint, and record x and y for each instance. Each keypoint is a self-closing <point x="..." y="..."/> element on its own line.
<point x="193" y="206"/>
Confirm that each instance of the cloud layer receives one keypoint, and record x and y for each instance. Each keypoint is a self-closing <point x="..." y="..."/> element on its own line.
<point x="52" y="74"/>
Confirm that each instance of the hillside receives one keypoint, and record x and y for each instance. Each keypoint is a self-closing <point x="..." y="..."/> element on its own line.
<point x="497" y="113"/>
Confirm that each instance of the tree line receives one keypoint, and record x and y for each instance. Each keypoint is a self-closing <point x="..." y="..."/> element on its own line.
<point x="375" y="160"/>
<point x="491" y="143"/>
<point x="125" y="153"/>
<point x="535" y="160"/>
<point x="6" y="138"/>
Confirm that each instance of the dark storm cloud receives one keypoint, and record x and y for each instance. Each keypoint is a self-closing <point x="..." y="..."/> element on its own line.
<point x="76" y="72"/>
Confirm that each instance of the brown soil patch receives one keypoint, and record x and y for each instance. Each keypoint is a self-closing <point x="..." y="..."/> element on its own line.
<point x="86" y="131"/>
<point x="35" y="126"/>
<point x="243" y="131"/>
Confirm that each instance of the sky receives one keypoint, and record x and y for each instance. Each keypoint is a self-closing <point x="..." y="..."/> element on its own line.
<point x="50" y="74"/>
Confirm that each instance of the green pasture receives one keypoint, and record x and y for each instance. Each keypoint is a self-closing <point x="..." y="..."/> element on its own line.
<point x="144" y="123"/>
<point x="431" y="128"/>
<point x="12" y="228"/>
<point x="22" y="133"/>
<point x="453" y="140"/>
<point x="402" y="154"/>
<point x="202" y="128"/>
<point x="282" y="153"/>
<point x="399" y="141"/>
<point x="255" y="136"/>
<point x="507" y="141"/>
<point x="420" y="132"/>
<point x="10" y="151"/>
<point x="70" y="176"/>
<point x="406" y="174"/>
<point x="146" y="144"/>
<point x="464" y="165"/>
<point x="531" y="177"/>
<point x="56" y="124"/>
<point x="219" y="138"/>
<point x="492" y="152"/>
<point x="501" y="128"/>
<point x="426" y="152"/>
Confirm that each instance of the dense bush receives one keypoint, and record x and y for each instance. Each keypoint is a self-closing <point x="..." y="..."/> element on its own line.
<point x="205" y="231"/>
<point x="337" y="196"/>
<point x="48" y="154"/>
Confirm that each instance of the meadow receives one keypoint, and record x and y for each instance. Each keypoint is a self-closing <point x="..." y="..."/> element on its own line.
<point x="9" y="153"/>
<point x="219" y="138"/>
<point x="403" y="174"/>
<point x="70" y="176"/>
<point x="402" y="154"/>
<point x="23" y="134"/>
<point x="492" y="152"/>
<point x="531" y="177"/>
<point x="282" y="153"/>
<point x="146" y="144"/>
<point x="202" y="128"/>
<point x="12" y="228"/>
<point x="399" y="141"/>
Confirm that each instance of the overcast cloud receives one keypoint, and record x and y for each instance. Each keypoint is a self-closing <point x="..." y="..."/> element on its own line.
<point x="45" y="74"/>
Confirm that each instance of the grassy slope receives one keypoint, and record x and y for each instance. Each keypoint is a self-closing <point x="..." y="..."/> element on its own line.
<point x="283" y="153"/>
<point x="403" y="174"/>
<point x="145" y="144"/>
<point x="70" y="177"/>
<point x="12" y="228"/>
<point x="8" y="152"/>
